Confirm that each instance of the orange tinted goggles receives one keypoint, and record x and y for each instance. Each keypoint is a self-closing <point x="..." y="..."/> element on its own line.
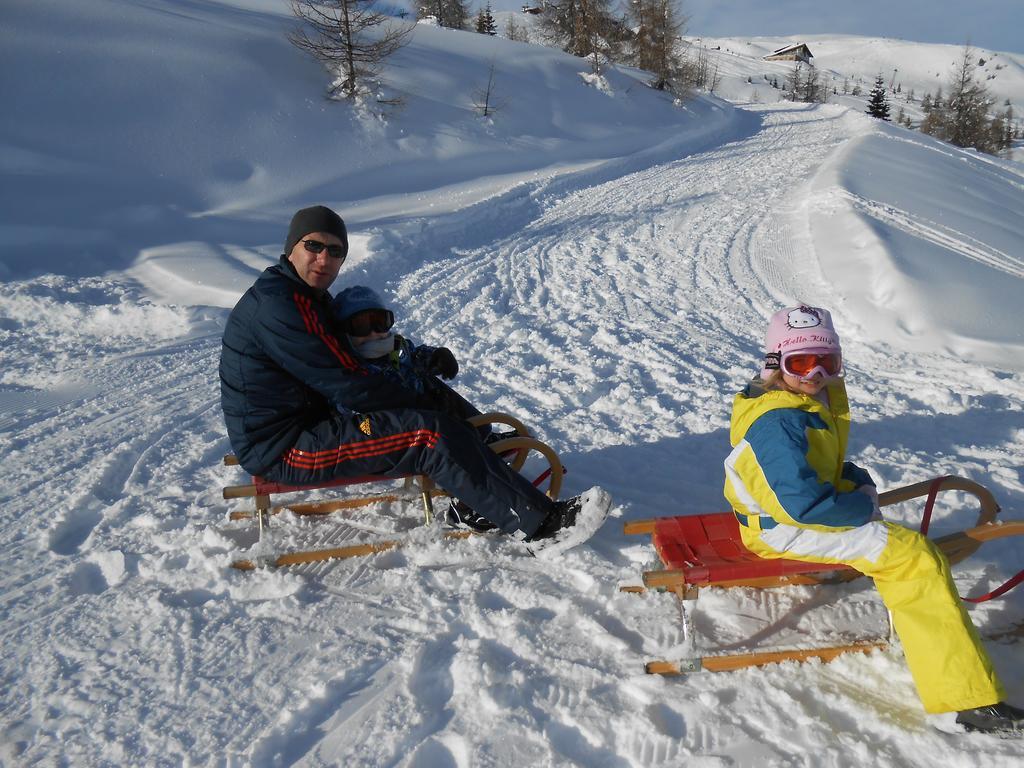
<point x="804" y="364"/>
<point x="369" y="321"/>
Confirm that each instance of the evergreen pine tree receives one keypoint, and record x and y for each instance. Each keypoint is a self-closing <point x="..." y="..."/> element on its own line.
<point x="452" y="14"/>
<point x="963" y="118"/>
<point x="485" y="23"/>
<point x="969" y="103"/>
<point x="878" y="105"/>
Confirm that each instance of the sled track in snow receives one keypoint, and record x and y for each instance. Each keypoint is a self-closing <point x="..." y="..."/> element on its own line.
<point x="139" y="432"/>
<point x="650" y="270"/>
<point x="943" y="236"/>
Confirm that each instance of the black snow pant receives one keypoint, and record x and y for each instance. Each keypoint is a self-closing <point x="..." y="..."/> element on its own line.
<point x="404" y="441"/>
<point x="438" y="396"/>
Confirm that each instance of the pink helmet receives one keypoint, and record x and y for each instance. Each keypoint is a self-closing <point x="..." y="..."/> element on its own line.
<point x="803" y="328"/>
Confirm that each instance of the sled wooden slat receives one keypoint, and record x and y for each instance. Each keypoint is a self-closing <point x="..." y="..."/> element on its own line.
<point x="962" y="544"/>
<point x="730" y="662"/>
<point x="639" y="527"/>
<point x="313" y="556"/>
<point x="336" y="553"/>
<point x="988" y="508"/>
<point x="319" y="508"/>
<point x="262" y="487"/>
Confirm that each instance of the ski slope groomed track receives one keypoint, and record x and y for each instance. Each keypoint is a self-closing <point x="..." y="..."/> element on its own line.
<point x="615" y="311"/>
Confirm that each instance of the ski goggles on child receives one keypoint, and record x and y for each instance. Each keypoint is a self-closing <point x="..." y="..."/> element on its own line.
<point x="369" y="321"/>
<point x="804" y="365"/>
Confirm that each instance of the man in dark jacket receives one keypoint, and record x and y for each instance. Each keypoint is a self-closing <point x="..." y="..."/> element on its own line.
<point x="302" y="408"/>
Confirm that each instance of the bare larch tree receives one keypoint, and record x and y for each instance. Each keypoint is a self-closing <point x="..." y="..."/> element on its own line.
<point x="964" y="117"/>
<point x="658" y="23"/>
<point x="352" y="38"/>
<point x="584" y="28"/>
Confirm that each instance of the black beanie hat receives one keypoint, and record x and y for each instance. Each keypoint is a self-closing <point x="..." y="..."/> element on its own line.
<point x="315" y="219"/>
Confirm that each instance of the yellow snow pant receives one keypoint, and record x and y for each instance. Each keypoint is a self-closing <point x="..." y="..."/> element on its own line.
<point x="950" y="667"/>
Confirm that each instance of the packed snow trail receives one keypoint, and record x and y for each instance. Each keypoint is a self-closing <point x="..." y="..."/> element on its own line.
<point x="612" y="304"/>
<point x="615" y="322"/>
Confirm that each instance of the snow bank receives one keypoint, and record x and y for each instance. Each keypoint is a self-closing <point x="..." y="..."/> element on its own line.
<point x="907" y="227"/>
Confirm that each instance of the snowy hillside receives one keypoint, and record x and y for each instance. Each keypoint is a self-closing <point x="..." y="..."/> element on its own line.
<point x="846" y="62"/>
<point x="602" y="262"/>
<point x="989" y="24"/>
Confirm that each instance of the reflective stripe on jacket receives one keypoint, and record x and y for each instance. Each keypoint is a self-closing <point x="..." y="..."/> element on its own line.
<point x="787" y="464"/>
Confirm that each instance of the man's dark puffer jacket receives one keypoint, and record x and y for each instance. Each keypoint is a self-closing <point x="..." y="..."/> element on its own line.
<point x="282" y="369"/>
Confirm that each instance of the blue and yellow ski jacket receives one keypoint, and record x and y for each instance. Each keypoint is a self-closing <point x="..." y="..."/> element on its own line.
<point x="787" y="464"/>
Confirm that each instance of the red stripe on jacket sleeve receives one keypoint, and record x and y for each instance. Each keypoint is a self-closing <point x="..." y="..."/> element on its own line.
<point x="315" y="328"/>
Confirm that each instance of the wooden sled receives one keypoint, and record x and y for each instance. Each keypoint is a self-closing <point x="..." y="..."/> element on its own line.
<point x="515" y="450"/>
<point x="707" y="551"/>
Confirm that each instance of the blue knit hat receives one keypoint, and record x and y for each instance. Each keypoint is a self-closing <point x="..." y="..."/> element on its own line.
<point x="355" y="299"/>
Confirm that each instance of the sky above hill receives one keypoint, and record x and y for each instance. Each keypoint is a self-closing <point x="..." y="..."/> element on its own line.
<point x="994" y="24"/>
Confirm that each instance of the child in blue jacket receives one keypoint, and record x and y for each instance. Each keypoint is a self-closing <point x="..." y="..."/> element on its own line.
<point x="363" y="316"/>
<point x="369" y="325"/>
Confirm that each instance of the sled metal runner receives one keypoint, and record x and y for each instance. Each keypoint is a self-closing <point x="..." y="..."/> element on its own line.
<point x="515" y="450"/>
<point x="707" y="551"/>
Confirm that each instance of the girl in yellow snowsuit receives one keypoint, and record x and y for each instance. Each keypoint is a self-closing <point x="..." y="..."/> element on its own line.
<point x="795" y="497"/>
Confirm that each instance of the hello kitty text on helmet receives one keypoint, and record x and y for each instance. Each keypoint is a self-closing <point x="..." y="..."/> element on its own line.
<point x="801" y="329"/>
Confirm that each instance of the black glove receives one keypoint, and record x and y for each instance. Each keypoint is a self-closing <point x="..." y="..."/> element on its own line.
<point x="443" y="362"/>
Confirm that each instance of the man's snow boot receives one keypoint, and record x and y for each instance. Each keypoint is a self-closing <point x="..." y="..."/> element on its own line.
<point x="571" y="522"/>
<point x="459" y="515"/>
<point x="1001" y="718"/>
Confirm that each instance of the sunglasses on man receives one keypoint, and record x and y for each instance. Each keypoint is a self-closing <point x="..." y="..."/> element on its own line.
<point x="804" y="365"/>
<point x="369" y="321"/>
<point x="315" y="246"/>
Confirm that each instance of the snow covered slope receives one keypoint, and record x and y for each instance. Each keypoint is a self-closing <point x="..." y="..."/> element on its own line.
<point x="601" y="261"/>
<point x="209" y="123"/>
<point x="990" y="24"/>
<point x="907" y="227"/>
<point x="846" y="62"/>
